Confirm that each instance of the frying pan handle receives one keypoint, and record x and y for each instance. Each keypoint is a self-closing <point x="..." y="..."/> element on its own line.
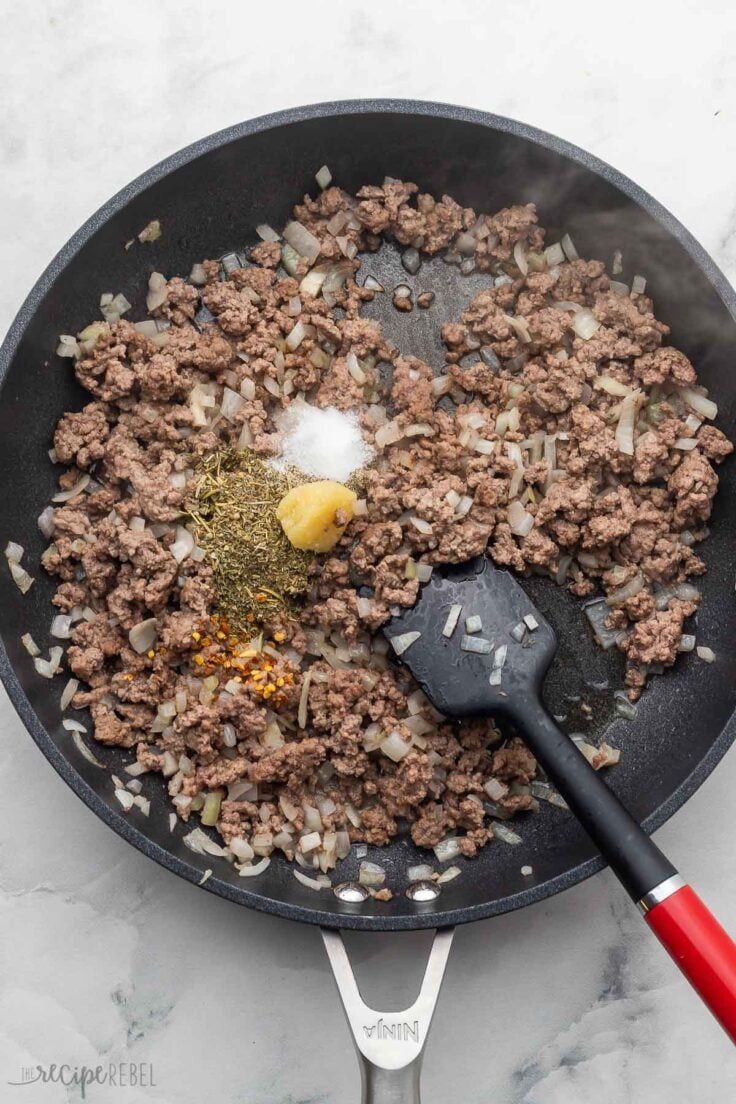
<point x="697" y="943"/>
<point x="390" y="1045"/>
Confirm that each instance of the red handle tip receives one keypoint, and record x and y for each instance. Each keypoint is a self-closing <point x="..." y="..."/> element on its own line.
<point x="704" y="952"/>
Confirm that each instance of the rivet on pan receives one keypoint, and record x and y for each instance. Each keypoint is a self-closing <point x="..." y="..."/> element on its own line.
<point x="351" y="892"/>
<point x="423" y="891"/>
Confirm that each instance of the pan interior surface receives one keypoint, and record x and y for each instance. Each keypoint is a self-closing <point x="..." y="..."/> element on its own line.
<point x="209" y="200"/>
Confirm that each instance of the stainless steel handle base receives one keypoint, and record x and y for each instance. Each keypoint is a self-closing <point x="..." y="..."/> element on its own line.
<point x="390" y="1045"/>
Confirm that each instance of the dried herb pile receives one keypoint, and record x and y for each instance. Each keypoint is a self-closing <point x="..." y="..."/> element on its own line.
<point x="258" y="572"/>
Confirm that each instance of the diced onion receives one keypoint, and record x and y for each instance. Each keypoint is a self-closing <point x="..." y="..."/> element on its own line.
<point x="701" y="404"/>
<point x="371" y="874"/>
<point x="143" y="635"/>
<point x="297" y="334"/>
<point x="72" y="726"/>
<point x="520" y="520"/>
<point x="30" y="646"/>
<point x="419" y="429"/>
<point x="309" y="842"/>
<point x="364" y="606"/>
<point x="182" y="546"/>
<point x="79" y="486"/>
<point x="612" y="386"/>
<point x="61" y="626"/>
<point x="231" y="403"/>
<point x="638" y="286"/>
<point x="568" y="247"/>
<point x="201" y="844"/>
<point x="310" y="883"/>
<point x="441" y="385"/>
<point x="304" y="700"/>
<point x="520" y="326"/>
<point x="395" y="748"/>
<point x="198" y="275"/>
<point x="476" y="644"/>
<point x="452" y="619"/>
<point x="312" y="283"/>
<point x="585" y="324"/>
<point x="241" y="849"/>
<point x="448" y="874"/>
<point x="302" y="240"/>
<point x="447" y="849"/>
<point x="686" y="592"/>
<point x="84" y="751"/>
<point x="517" y="476"/>
<point x="157" y="291"/>
<point x="323" y="177"/>
<point x="248" y="389"/>
<point x="125" y="799"/>
<point x="705" y="653"/>
<point x="20" y="576"/>
<point x="46" y="522"/>
<point x="68" y="346"/>
<point x="520" y="258"/>
<point x="403" y="641"/>
<point x="495" y="789"/>
<point x="355" y="370"/>
<point x="267" y="233"/>
<point x="554" y="254"/>
<point x="388" y="434"/>
<point x="257" y="868"/>
<point x="632" y="588"/>
<point x="506" y="834"/>
<point x="627" y="422"/>
<point x="420" y="873"/>
<point x="597" y="613"/>
<point x="14" y="552"/>
<point x="335" y="279"/>
<point x="135" y="770"/>
<point x="422" y="526"/>
<point x="178" y="481"/>
<point x="114" y="307"/>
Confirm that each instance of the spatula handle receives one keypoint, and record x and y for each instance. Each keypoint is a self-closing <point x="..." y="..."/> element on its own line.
<point x="633" y="856"/>
<point x="701" y="948"/>
<point x="697" y="943"/>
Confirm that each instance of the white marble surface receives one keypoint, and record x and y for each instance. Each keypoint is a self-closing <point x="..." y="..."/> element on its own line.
<point x="101" y="951"/>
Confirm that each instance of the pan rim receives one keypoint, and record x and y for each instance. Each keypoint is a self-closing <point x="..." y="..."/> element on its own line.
<point x="63" y="766"/>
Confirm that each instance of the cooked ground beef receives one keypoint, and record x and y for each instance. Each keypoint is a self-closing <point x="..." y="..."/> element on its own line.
<point x="539" y="369"/>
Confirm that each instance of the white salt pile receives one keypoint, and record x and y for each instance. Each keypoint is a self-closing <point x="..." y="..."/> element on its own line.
<point x="324" y="443"/>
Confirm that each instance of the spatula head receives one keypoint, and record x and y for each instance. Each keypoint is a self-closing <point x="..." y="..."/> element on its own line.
<point x="461" y="683"/>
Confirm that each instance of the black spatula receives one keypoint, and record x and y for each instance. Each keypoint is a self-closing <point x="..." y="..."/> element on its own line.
<point x="498" y="669"/>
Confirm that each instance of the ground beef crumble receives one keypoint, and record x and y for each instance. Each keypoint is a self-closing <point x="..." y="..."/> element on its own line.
<point x="527" y="390"/>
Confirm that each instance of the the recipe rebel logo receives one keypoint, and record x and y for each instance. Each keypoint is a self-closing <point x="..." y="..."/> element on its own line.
<point x="122" y="1075"/>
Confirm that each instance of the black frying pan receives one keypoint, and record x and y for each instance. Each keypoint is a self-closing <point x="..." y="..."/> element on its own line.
<point x="209" y="197"/>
